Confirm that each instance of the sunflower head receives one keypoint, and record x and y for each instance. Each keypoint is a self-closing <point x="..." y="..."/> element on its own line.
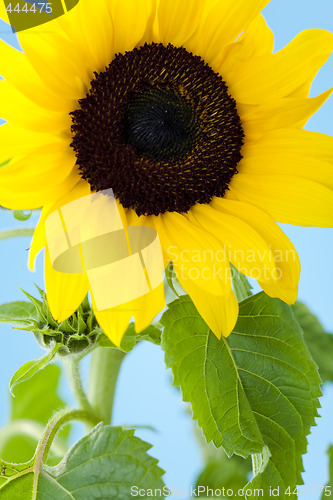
<point x="185" y="111"/>
<point x="159" y="126"/>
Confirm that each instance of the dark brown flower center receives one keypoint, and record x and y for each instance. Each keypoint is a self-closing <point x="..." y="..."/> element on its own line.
<point x="161" y="123"/>
<point x="158" y="127"/>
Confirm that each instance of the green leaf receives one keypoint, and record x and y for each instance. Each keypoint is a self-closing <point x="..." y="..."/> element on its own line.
<point x="17" y="313"/>
<point x="36" y="401"/>
<point x="8" y="471"/>
<point x="29" y="369"/>
<point x="255" y="392"/>
<point x="329" y="486"/>
<point x="37" y="398"/>
<point x="241" y="285"/>
<point x="105" y="464"/>
<point x="318" y="341"/>
<point x="22" y="215"/>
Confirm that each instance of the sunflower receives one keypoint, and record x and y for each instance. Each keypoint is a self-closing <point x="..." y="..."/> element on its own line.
<point x="183" y="109"/>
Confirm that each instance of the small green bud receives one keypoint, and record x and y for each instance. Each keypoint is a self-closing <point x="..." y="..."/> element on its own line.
<point x="77" y="334"/>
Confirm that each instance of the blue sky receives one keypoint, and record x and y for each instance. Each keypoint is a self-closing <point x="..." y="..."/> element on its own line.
<point x="145" y="395"/>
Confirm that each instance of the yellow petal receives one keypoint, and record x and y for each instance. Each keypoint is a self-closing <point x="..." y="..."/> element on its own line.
<point x="289" y="199"/>
<point x="273" y="289"/>
<point x="192" y="250"/>
<point x="177" y="21"/>
<point x="131" y="19"/>
<point x="283" y="280"/>
<point x="89" y="29"/>
<point x="219" y="312"/>
<point x="65" y="291"/>
<point x="35" y="198"/>
<point x="205" y="278"/>
<point x="244" y="246"/>
<point x="225" y="21"/>
<point x="313" y="144"/>
<point x="22" y="112"/>
<point x="286" y="112"/>
<point x="300" y="153"/>
<point x="16" y="140"/>
<point x="16" y="68"/>
<point x="114" y="321"/>
<point x="38" y="242"/>
<point x="57" y="63"/>
<point x="264" y="78"/>
<point x="147" y="307"/>
<point x="82" y="188"/>
<point x="34" y="170"/>
<point x="132" y="219"/>
<point x="257" y="40"/>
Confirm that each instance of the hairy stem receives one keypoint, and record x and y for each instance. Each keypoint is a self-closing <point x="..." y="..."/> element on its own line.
<point x="53" y="427"/>
<point x="72" y="367"/>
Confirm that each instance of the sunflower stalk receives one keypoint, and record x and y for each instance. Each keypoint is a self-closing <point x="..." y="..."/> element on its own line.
<point x="104" y="369"/>
<point x="72" y="367"/>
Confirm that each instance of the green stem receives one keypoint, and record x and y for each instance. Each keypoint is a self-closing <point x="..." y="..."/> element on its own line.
<point x="11" y="233"/>
<point x="53" y="427"/>
<point x="104" y="368"/>
<point x="72" y="367"/>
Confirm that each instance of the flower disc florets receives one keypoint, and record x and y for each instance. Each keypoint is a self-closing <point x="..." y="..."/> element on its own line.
<point x="158" y="127"/>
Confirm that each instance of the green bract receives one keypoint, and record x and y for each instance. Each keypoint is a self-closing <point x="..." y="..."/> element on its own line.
<point x="73" y="336"/>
